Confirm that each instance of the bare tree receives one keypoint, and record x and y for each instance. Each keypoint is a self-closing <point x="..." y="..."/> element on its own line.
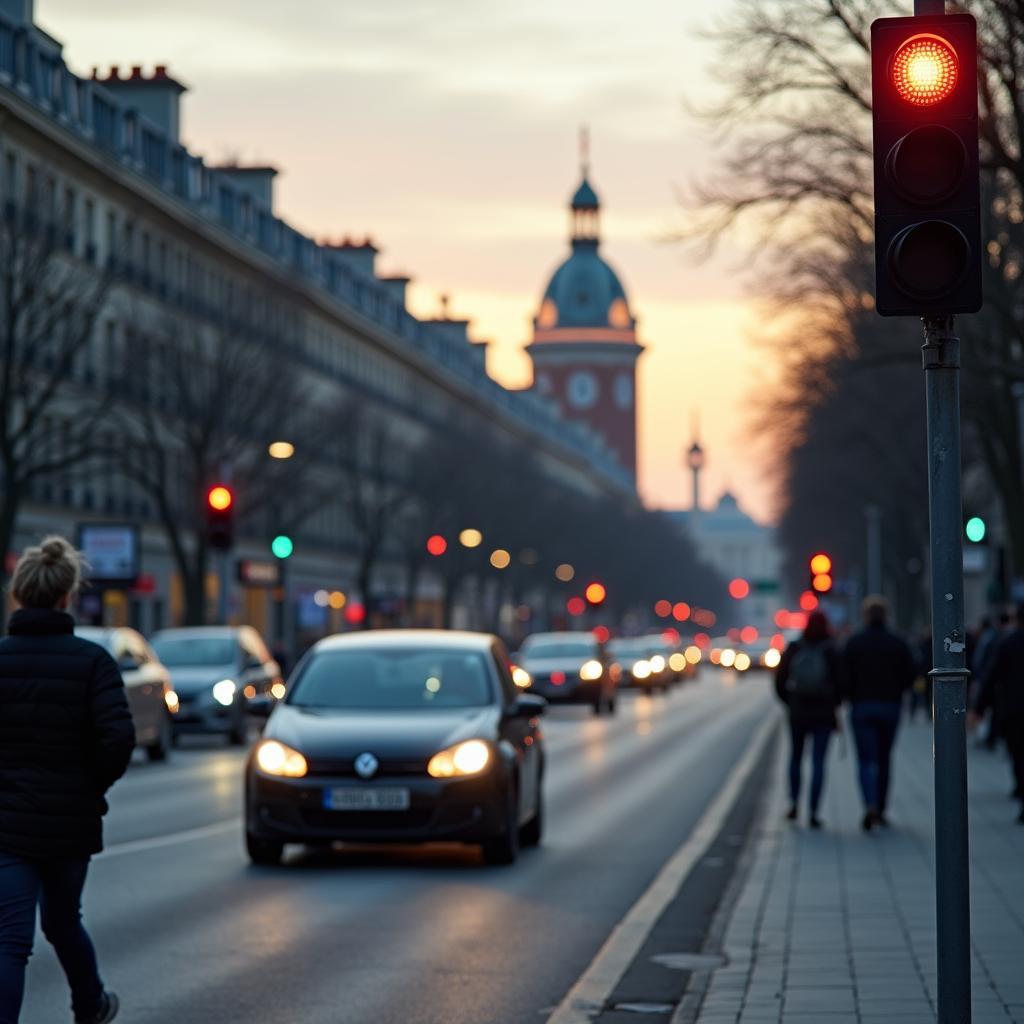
<point x="49" y="306"/>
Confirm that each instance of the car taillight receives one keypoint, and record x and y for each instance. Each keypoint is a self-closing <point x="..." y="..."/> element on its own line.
<point x="558" y="678"/>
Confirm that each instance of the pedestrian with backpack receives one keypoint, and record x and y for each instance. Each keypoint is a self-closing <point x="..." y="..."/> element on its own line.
<point x="878" y="668"/>
<point x="807" y="681"/>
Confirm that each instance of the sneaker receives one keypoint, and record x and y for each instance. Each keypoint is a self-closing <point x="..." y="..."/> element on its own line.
<point x="815" y="821"/>
<point x="869" y="820"/>
<point x="109" y="1005"/>
<point x="791" y="813"/>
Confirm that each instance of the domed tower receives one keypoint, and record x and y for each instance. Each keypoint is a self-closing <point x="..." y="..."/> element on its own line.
<point x="584" y="347"/>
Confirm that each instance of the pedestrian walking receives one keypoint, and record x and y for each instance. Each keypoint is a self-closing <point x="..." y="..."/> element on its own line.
<point x="878" y="667"/>
<point x="66" y="736"/>
<point x="807" y="681"/>
<point x="1002" y="689"/>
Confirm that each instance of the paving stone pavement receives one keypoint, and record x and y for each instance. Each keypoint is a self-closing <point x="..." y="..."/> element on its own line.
<point x="838" y="926"/>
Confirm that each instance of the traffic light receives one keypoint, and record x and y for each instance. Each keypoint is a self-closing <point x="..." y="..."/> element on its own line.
<point x="927" y="195"/>
<point x="282" y="546"/>
<point x="975" y="529"/>
<point x="220" y="517"/>
<point x="595" y="594"/>
<point x="821" y="573"/>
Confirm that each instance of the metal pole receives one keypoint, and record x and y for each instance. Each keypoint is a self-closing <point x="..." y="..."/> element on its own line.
<point x="922" y="7"/>
<point x="941" y="359"/>
<point x="874" y="518"/>
<point x="222" y="588"/>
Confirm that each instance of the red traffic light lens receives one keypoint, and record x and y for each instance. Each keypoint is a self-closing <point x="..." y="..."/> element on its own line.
<point x="595" y="593"/>
<point x="925" y="70"/>
<point x="821" y="564"/>
<point x="822" y="583"/>
<point x="739" y="589"/>
<point x="220" y="498"/>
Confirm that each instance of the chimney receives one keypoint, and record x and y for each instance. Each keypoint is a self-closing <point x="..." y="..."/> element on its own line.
<point x="21" y="12"/>
<point x="256" y="181"/>
<point x="358" y="256"/>
<point x="396" y="285"/>
<point x="156" y="97"/>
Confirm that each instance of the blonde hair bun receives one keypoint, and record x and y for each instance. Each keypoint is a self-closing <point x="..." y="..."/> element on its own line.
<point x="47" y="573"/>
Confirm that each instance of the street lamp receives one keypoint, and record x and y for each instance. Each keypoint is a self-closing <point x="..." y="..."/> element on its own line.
<point x="471" y="538"/>
<point x="281" y="450"/>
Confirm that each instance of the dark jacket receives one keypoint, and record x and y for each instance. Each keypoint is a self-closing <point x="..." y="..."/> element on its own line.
<point x="1003" y="684"/>
<point x="877" y="665"/>
<point x="810" y="712"/>
<point x="66" y="736"/>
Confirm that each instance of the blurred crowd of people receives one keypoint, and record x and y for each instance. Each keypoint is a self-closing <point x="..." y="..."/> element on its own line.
<point x="877" y="673"/>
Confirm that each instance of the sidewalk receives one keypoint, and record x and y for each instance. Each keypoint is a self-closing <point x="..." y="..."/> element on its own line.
<point x="838" y="927"/>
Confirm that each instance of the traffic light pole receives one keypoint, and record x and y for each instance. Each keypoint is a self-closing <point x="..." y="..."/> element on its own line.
<point x="941" y="359"/>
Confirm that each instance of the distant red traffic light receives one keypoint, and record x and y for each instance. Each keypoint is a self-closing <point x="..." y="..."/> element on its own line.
<point x="681" y="611"/>
<point x="808" y="602"/>
<point x="575" y="606"/>
<point x="595" y="593"/>
<point x="220" y="498"/>
<point x="739" y="589"/>
<point x="437" y="545"/>
<point x="663" y="609"/>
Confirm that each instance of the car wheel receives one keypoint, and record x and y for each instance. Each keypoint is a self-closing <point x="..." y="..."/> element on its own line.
<point x="159" y="748"/>
<point x="530" y="834"/>
<point x="504" y="847"/>
<point x="267" y="852"/>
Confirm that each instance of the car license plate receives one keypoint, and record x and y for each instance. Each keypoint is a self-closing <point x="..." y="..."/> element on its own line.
<point x="357" y="798"/>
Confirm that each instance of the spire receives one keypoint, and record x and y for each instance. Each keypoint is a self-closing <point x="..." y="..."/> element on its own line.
<point x="695" y="459"/>
<point x="585" y="204"/>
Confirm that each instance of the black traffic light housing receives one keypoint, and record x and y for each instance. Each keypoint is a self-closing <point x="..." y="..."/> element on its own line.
<point x="220" y="518"/>
<point x="927" y="194"/>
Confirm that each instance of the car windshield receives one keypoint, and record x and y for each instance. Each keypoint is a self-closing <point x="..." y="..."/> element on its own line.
<point x="630" y="647"/>
<point x="194" y="651"/>
<point x="555" y="647"/>
<point x="392" y="679"/>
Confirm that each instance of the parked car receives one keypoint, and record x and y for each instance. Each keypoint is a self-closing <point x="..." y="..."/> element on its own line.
<point x="572" y="667"/>
<point x="403" y="735"/>
<point x="147" y="684"/>
<point x="219" y="673"/>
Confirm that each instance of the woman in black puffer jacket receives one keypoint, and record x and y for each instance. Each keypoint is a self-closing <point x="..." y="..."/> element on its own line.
<point x="66" y="736"/>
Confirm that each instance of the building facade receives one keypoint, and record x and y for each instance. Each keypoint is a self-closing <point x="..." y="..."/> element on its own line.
<point x="584" y="349"/>
<point x="102" y="161"/>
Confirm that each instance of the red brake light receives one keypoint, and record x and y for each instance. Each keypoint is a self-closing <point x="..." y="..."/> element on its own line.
<point x="925" y="70"/>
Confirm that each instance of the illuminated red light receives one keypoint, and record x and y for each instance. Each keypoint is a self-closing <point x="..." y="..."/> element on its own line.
<point x="220" y="498"/>
<point x="739" y="589"/>
<point x="355" y="614"/>
<point x="808" y="602"/>
<point x="702" y="640"/>
<point x="595" y="593"/>
<point x="681" y="611"/>
<point x="575" y="606"/>
<point x="663" y="609"/>
<point x="778" y="642"/>
<point x="671" y="637"/>
<point x="822" y="583"/>
<point x="925" y="70"/>
<point x="782" y="618"/>
<point x="821" y="564"/>
<point x="749" y="634"/>
<point x="601" y="634"/>
<point x="557" y="678"/>
<point x="437" y="545"/>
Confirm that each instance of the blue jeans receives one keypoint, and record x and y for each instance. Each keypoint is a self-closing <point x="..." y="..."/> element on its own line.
<point x="819" y="748"/>
<point x="874" y="724"/>
<point x="56" y="887"/>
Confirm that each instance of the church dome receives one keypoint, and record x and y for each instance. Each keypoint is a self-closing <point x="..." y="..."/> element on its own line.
<point x="585" y="292"/>
<point x="585" y="198"/>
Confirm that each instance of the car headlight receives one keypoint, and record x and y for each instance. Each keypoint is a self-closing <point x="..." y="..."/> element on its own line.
<point x="172" y="702"/>
<point x="224" y="692"/>
<point x="467" y="758"/>
<point x="658" y="663"/>
<point x="641" y="669"/>
<point x="591" y="670"/>
<point x="279" y="759"/>
<point x="278" y="690"/>
<point x="521" y="677"/>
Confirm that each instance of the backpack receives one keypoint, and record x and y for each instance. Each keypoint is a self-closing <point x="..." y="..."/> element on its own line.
<point x="808" y="672"/>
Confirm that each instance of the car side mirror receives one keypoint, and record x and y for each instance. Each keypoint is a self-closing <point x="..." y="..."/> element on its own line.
<point x="528" y="705"/>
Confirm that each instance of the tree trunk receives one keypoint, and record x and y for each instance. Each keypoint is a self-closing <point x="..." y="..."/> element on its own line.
<point x="10" y="501"/>
<point x="412" y="578"/>
<point x="364" y="580"/>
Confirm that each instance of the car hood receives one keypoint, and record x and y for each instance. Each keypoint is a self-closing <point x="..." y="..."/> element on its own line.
<point x="188" y="681"/>
<point x="553" y="664"/>
<point x="396" y="734"/>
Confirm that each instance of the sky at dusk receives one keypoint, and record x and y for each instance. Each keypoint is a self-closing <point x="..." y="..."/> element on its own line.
<point x="447" y="130"/>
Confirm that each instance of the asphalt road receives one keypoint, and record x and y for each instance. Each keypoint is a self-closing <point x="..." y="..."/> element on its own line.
<point x="186" y="930"/>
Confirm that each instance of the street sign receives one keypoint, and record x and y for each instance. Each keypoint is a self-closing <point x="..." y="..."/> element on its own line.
<point x="254" y="573"/>
<point x="112" y="551"/>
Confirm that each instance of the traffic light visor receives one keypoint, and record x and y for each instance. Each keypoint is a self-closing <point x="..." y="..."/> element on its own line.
<point x="925" y="70"/>
<point x="821" y="564"/>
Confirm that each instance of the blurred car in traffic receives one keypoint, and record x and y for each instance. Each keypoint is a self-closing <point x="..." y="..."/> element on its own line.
<point x="404" y="736"/>
<point x="644" y="664"/>
<point x="147" y="685"/>
<point x="219" y="673"/>
<point x="570" y="667"/>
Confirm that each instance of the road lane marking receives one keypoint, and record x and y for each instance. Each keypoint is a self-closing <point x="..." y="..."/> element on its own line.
<point x="171" y="839"/>
<point x="590" y="993"/>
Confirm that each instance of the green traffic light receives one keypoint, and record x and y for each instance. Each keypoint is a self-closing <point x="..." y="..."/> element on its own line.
<point x="975" y="530"/>
<point x="282" y="546"/>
